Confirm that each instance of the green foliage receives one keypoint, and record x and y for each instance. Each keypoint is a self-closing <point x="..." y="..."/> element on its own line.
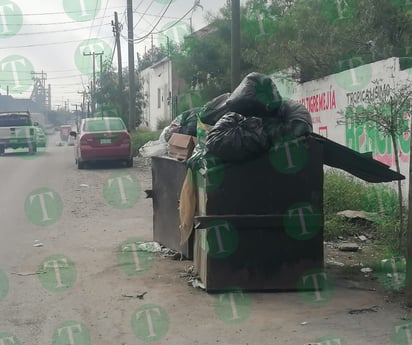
<point x="345" y="192"/>
<point x="141" y="137"/>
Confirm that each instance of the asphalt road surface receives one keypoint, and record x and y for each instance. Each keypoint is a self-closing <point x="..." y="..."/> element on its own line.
<point x="70" y="272"/>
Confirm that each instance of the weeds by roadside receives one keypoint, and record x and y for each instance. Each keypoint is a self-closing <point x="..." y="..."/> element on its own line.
<point x="141" y="137"/>
<point x="345" y="192"/>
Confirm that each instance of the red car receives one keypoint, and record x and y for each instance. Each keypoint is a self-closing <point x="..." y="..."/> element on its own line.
<point x="102" y="138"/>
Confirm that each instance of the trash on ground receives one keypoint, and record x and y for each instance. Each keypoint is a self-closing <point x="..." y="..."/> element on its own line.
<point x="334" y="263"/>
<point x="373" y="309"/>
<point x="84" y="185"/>
<point x="348" y="247"/>
<point x="304" y="323"/>
<point x="151" y="247"/>
<point x="153" y="148"/>
<point x="139" y="295"/>
<point x="366" y="270"/>
<point x="362" y="238"/>
<point x="350" y="214"/>
<point x="196" y="283"/>
<point x="37" y="243"/>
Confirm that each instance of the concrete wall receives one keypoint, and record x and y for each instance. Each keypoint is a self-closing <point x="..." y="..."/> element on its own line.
<point x="157" y="90"/>
<point x="326" y="97"/>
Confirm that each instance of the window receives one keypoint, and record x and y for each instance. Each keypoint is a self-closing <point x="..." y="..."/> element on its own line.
<point x="14" y="120"/>
<point x="101" y="125"/>
<point x="159" y="99"/>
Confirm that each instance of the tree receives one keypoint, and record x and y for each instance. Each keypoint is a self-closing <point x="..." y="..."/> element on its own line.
<point x="387" y="114"/>
<point x="111" y="100"/>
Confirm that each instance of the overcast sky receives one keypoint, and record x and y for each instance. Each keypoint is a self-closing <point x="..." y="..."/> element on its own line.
<point x="51" y="36"/>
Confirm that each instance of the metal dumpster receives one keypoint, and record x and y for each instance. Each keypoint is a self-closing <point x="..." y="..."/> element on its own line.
<point x="168" y="175"/>
<point x="260" y="225"/>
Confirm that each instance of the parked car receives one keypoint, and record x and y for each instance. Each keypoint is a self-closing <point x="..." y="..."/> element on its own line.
<point x="40" y="137"/>
<point x="17" y="130"/>
<point x="102" y="138"/>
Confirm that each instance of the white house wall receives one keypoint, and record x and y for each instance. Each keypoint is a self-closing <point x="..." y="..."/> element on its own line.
<point x="326" y="97"/>
<point x="157" y="87"/>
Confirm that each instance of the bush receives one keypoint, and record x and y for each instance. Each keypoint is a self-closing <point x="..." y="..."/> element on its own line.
<point x="141" y="137"/>
<point x="345" y="192"/>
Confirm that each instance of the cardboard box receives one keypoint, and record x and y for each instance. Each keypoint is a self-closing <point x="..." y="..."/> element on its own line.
<point x="181" y="146"/>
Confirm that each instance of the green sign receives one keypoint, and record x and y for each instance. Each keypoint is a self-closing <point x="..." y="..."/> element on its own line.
<point x="71" y="333"/>
<point x="43" y="206"/>
<point x="11" y="19"/>
<point x="133" y="260"/>
<point x="233" y="306"/>
<point x="16" y="70"/>
<point x="57" y="273"/>
<point x="122" y="190"/>
<point x="150" y="323"/>
<point x="82" y="10"/>
<point x="316" y="287"/>
<point x="220" y="239"/>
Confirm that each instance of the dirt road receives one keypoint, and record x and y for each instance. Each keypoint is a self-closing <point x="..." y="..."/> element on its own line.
<point x="69" y="273"/>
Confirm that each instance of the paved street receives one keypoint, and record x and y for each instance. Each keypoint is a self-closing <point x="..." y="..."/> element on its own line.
<point x="68" y="258"/>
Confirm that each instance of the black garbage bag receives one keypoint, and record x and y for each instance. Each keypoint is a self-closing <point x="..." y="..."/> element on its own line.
<point x="292" y="120"/>
<point x="236" y="138"/>
<point x="213" y="110"/>
<point x="256" y="95"/>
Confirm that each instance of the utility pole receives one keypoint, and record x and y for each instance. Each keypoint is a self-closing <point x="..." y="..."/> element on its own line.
<point x="116" y="30"/>
<point x="235" y="43"/>
<point x="93" y="88"/>
<point x="132" y="92"/>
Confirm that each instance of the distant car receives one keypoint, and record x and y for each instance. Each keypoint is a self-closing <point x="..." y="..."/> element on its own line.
<point x="40" y="137"/>
<point x="102" y="138"/>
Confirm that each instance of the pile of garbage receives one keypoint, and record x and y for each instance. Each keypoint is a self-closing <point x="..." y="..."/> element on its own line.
<point x="238" y="126"/>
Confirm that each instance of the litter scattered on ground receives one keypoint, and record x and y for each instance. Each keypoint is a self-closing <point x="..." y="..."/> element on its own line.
<point x="37" y="243"/>
<point x="192" y="278"/>
<point x="334" y="263"/>
<point x="84" y="185"/>
<point x="366" y="270"/>
<point x="59" y="143"/>
<point x="362" y="238"/>
<point x="304" y="323"/>
<point x="151" y="247"/>
<point x="171" y="254"/>
<point x="373" y="309"/>
<point x="139" y="295"/>
<point x="350" y="214"/>
<point x="25" y="274"/>
<point x="348" y="247"/>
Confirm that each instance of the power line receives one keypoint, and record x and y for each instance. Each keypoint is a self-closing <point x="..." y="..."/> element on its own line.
<point x="54" y="23"/>
<point x="49" y="32"/>
<point x="147" y="9"/>
<point x="48" y="44"/>
<point x="49" y="13"/>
